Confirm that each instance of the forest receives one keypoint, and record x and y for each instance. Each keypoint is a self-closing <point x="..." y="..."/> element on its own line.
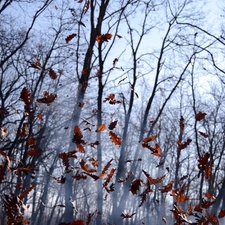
<point x="112" y="112"/>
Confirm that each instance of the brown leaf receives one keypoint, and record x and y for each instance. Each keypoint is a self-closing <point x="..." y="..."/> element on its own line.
<point x="102" y="127"/>
<point x="208" y="195"/>
<point x="24" y="193"/>
<point x="135" y="186"/>
<point x="119" y="36"/>
<point x="203" y="134"/>
<point x="111" y="99"/>
<point x="103" y="38"/>
<point x="52" y="74"/>
<point x="31" y="141"/>
<point x="150" y="138"/>
<point x="112" y="125"/>
<point x="104" y="171"/>
<point x="221" y="213"/>
<point x="200" y="116"/>
<point x="87" y="5"/>
<point x="36" y="65"/>
<point x="115" y="138"/>
<point x="40" y="116"/>
<point x="115" y="61"/>
<point x="168" y="187"/>
<point x="182" y="123"/>
<point x="34" y="151"/>
<point x="126" y="215"/>
<point x="184" y="145"/>
<point x="48" y="98"/>
<point x="70" y="37"/>
<point x="153" y="181"/>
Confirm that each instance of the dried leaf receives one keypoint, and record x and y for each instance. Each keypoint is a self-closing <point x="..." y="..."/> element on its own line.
<point x="60" y="180"/>
<point x="135" y="186"/>
<point x="102" y="127"/>
<point x="115" y="61"/>
<point x="182" y="123"/>
<point x="126" y="215"/>
<point x="87" y="4"/>
<point x="34" y="151"/>
<point x="31" y="141"/>
<point x="221" y="213"/>
<point x="70" y="37"/>
<point x="150" y="138"/>
<point x="24" y="193"/>
<point x="111" y="99"/>
<point x="115" y="138"/>
<point x="153" y="181"/>
<point x="203" y="134"/>
<point x="52" y="74"/>
<point x="168" y="187"/>
<point x="104" y="171"/>
<point x="119" y="36"/>
<point x="200" y="116"/>
<point x="48" y="98"/>
<point x="184" y="145"/>
<point x="112" y="125"/>
<point x="103" y="38"/>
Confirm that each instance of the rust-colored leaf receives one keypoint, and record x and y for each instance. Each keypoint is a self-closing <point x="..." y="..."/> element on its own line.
<point x="31" y="141"/>
<point x="85" y="167"/>
<point x="36" y="65"/>
<point x="34" y="151"/>
<point x="184" y="145"/>
<point x="101" y="127"/>
<point x="203" y="134"/>
<point x="200" y="116"/>
<point x="111" y="99"/>
<point x="112" y="125"/>
<point x="70" y="37"/>
<point x="48" y="98"/>
<point x="126" y="215"/>
<point x="52" y="74"/>
<point x="135" y="186"/>
<point x="150" y="138"/>
<point x="40" y="116"/>
<point x="182" y="123"/>
<point x="168" y="187"/>
<point x="221" y="213"/>
<point x="103" y="38"/>
<point x="115" y="138"/>
<point x="153" y="181"/>
<point x="109" y="176"/>
<point x="208" y="195"/>
<point x="76" y="222"/>
<point x="24" y="193"/>
<point x="87" y="5"/>
<point x="25" y="96"/>
<point x="104" y="171"/>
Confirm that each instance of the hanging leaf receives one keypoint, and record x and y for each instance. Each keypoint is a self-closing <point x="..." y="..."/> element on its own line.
<point x="60" y="180"/>
<point x="115" y="61"/>
<point x="52" y="74"/>
<point x="70" y="37"/>
<point x="115" y="138"/>
<point x="182" y="123"/>
<point x="81" y="23"/>
<point x="40" y="116"/>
